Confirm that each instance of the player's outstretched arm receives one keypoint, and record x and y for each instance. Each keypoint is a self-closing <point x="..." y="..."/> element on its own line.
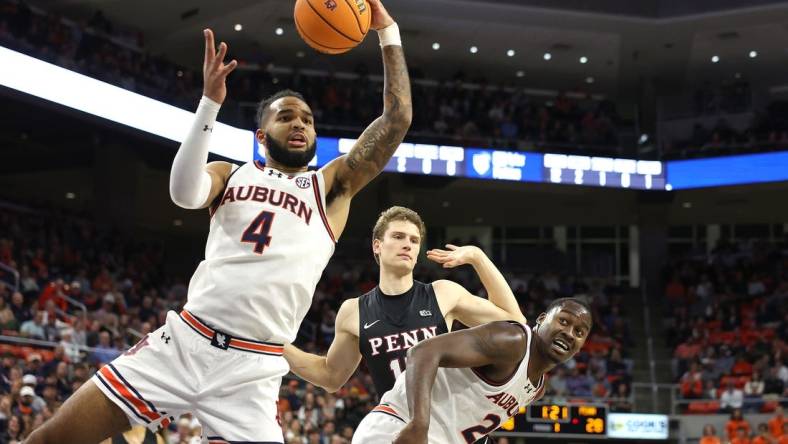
<point x="348" y="174"/>
<point x="499" y="345"/>
<point x="332" y="371"/>
<point x="467" y="308"/>
<point x="193" y="184"/>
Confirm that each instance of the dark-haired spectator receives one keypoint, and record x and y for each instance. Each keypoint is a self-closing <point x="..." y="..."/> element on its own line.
<point x="736" y="423"/>
<point x="21" y="312"/>
<point x="16" y="429"/>
<point x="763" y="436"/>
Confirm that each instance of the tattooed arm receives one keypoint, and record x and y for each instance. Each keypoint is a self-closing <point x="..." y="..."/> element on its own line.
<point x="348" y="174"/>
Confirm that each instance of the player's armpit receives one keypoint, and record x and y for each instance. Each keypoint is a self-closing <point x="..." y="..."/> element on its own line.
<point x="220" y="173"/>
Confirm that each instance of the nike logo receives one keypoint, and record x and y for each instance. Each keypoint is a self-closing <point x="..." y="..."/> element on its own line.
<point x="366" y="326"/>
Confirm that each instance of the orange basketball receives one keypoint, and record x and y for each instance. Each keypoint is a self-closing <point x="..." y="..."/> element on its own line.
<point x="332" y="26"/>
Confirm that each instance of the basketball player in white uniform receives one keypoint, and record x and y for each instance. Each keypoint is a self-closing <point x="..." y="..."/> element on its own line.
<point x="273" y="228"/>
<point x="463" y="385"/>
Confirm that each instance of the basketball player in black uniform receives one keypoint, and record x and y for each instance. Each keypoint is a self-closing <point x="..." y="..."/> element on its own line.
<point x="383" y="324"/>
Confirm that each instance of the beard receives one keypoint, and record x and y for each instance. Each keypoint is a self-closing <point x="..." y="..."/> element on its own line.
<point x="288" y="158"/>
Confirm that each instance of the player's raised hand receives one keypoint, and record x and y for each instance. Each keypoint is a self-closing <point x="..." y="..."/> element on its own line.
<point x="214" y="70"/>
<point x="380" y="17"/>
<point x="411" y="434"/>
<point x="454" y="256"/>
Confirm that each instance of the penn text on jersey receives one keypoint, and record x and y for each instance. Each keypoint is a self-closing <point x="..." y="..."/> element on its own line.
<point x="401" y="341"/>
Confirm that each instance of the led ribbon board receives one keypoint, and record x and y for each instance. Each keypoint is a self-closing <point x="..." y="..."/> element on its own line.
<point x="53" y="83"/>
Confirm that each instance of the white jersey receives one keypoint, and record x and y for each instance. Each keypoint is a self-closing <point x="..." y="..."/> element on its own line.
<point x="268" y="244"/>
<point x="465" y="405"/>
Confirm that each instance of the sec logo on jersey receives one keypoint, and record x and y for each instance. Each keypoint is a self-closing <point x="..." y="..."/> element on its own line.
<point x="303" y="182"/>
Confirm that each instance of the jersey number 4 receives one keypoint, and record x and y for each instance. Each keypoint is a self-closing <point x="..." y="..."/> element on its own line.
<point x="257" y="231"/>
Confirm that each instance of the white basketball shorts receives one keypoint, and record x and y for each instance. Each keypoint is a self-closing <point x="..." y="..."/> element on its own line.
<point x="380" y="426"/>
<point x="230" y="385"/>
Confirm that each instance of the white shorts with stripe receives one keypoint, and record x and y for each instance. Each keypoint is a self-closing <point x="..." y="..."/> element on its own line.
<point x="230" y="385"/>
<point x="380" y="426"/>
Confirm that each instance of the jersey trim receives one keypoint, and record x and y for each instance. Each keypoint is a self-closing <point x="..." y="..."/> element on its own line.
<point x="508" y="379"/>
<point x="387" y="410"/>
<point x="319" y="199"/>
<point x="214" y="207"/>
<point x="123" y="391"/>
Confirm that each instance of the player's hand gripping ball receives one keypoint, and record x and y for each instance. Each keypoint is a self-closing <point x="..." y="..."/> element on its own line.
<point x="335" y="26"/>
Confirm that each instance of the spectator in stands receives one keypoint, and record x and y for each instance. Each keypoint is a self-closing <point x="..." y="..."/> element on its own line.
<point x="753" y="392"/>
<point x="732" y="398"/>
<point x="691" y="383"/>
<point x="711" y="390"/>
<point x="763" y="436"/>
<point x="777" y="422"/>
<point x="621" y="402"/>
<point x="21" y="312"/>
<point x="70" y="349"/>
<point x="742" y="437"/>
<point x="37" y="403"/>
<point x="104" y="351"/>
<point x="773" y="385"/>
<point x="709" y="435"/>
<point x="7" y="318"/>
<point x="34" y="328"/>
<point x="735" y="423"/>
<point x="26" y="406"/>
<point x="557" y="382"/>
<point x="16" y="429"/>
<point x="754" y="387"/>
<point x="742" y="366"/>
<point x="579" y="383"/>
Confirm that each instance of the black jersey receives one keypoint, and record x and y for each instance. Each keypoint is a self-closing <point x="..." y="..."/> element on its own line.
<point x="390" y="325"/>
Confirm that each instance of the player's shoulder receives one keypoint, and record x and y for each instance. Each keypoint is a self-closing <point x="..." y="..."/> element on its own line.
<point x="444" y="285"/>
<point x="348" y="311"/>
<point x="348" y="316"/>
<point x="511" y="335"/>
<point x="446" y="290"/>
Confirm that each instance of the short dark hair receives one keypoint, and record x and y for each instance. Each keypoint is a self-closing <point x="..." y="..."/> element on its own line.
<point x="262" y="108"/>
<point x="581" y="302"/>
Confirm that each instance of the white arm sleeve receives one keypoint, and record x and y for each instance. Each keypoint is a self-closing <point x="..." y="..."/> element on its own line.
<point x="190" y="184"/>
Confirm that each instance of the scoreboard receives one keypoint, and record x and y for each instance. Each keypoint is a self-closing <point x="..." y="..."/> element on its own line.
<point x="578" y="420"/>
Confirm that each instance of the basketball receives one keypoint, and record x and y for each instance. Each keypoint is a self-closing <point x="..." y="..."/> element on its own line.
<point x="332" y="26"/>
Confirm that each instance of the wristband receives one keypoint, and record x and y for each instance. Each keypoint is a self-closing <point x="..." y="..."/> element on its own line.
<point x="390" y="35"/>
